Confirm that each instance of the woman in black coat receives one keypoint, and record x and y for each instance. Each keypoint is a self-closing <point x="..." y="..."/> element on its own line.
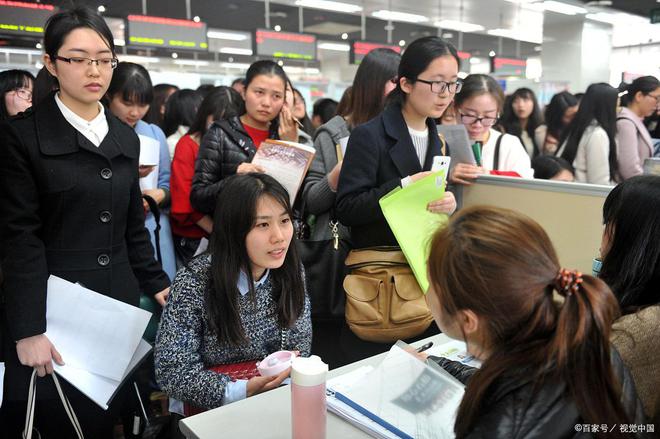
<point x="70" y="206"/>
<point x="398" y="146"/>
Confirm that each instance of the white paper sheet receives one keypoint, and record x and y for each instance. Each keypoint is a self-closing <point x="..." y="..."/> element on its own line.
<point x="343" y="143"/>
<point x="149" y="156"/>
<point x="97" y="388"/>
<point x="91" y="331"/>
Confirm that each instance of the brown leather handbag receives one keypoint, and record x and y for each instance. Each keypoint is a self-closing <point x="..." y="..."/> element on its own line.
<point x="384" y="302"/>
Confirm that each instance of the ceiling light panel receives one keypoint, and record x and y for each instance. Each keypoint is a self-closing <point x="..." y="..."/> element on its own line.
<point x="385" y="14"/>
<point x="329" y="5"/>
<point x="458" y="25"/>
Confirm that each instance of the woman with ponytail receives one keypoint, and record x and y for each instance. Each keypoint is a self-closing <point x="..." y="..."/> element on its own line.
<point x="547" y="365"/>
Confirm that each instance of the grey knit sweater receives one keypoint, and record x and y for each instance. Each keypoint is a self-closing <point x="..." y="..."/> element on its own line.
<point x="186" y="345"/>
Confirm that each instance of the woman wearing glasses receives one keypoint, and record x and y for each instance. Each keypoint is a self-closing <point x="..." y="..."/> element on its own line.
<point x="397" y="148"/>
<point x="478" y="106"/>
<point x="70" y="206"/>
<point x="15" y="92"/>
<point x="633" y="141"/>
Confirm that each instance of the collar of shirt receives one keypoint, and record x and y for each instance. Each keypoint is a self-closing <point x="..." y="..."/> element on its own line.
<point x="94" y="130"/>
<point x="244" y="287"/>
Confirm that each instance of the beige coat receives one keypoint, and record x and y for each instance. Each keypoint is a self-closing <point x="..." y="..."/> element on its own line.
<point x="637" y="338"/>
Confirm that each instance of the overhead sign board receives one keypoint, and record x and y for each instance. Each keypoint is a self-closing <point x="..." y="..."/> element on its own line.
<point x="24" y="19"/>
<point x="170" y="33"/>
<point x="285" y="45"/>
<point x="509" y="66"/>
<point x="360" y="49"/>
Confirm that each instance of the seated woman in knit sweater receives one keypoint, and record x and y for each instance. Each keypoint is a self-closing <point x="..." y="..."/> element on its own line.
<point x="630" y="252"/>
<point x="242" y="301"/>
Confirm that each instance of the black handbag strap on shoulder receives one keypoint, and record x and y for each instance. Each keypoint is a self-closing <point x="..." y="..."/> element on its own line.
<point x="496" y="156"/>
<point x="155" y="211"/>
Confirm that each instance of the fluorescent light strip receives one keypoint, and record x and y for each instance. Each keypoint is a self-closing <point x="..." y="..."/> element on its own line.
<point x="296" y="69"/>
<point x="516" y="35"/>
<point x="459" y="26"/>
<point x="329" y="5"/>
<point x="21" y="51"/>
<point x="334" y="46"/>
<point x="562" y="8"/>
<point x="191" y="62"/>
<point x="384" y="14"/>
<point x="235" y="65"/>
<point x="139" y="59"/>
<point x="220" y="35"/>
<point x="236" y="51"/>
<point x="119" y="42"/>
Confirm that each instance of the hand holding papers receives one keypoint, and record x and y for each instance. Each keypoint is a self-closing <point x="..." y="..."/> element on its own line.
<point x="286" y="162"/>
<point x="149" y="156"/>
<point x="406" y="212"/>
<point x="98" y="337"/>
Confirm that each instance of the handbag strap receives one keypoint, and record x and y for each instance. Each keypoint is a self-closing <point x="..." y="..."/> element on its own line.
<point x="496" y="157"/>
<point x="155" y="211"/>
<point x="32" y="397"/>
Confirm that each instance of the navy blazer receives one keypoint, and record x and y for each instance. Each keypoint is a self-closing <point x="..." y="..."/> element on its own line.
<point x="379" y="154"/>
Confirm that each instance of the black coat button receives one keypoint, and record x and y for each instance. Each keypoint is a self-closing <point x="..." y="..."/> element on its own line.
<point x="103" y="260"/>
<point x="106" y="173"/>
<point x="105" y="216"/>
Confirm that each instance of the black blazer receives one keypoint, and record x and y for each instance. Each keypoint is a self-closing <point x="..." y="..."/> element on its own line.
<point x="379" y="154"/>
<point x="70" y="209"/>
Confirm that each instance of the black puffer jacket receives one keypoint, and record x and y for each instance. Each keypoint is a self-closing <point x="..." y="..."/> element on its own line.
<point x="224" y="146"/>
<point x="513" y="410"/>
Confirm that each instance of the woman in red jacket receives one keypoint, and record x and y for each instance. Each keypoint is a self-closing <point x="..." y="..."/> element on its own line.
<point x="188" y="225"/>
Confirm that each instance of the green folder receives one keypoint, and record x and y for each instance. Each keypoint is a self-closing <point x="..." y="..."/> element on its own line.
<point x="413" y="225"/>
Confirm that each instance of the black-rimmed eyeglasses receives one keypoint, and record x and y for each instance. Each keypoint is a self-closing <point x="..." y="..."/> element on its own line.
<point x="467" y="119"/>
<point x="439" y="87"/>
<point x="102" y="63"/>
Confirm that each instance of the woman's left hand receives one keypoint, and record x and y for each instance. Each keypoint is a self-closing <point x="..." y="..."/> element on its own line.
<point x="445" y="205"/>
<point x="288" y="129"/>
<point x="157" y="194"/>
<point x="161" y="297"/>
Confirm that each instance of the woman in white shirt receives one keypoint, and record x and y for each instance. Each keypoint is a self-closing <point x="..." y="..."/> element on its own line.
<point x="588" y="142"/>
<point x="478" y="106"/>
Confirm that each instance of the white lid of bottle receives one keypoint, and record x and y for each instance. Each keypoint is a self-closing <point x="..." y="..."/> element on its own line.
<point x="308" y="372"/>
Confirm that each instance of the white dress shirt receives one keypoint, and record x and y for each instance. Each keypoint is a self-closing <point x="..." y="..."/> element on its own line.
<point x="94" y="130"/>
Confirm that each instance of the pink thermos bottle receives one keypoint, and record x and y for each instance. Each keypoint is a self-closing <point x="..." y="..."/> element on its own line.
<point x="308" y="415"/>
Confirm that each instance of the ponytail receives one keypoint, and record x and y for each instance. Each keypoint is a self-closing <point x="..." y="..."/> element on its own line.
<point x="581" y="350"/>
<point x="502" y="266"/>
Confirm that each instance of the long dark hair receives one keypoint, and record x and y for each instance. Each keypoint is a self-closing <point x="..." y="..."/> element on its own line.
<point x="366" y="100"/>
<point x="547" y="166"/>
<point x="268" y="68"/>
<point x="234" y="217"/>
<point x="132" y="83"/>
<point x="631" y="267"/>
<point x="643" y="84"/>
<point x="599" y="104"/>
<point x="59" y="25"/>
<point x="221" y="103"/>
<point x="161" y="94"/>
<point x="180" y="109"/>
<point x="502" y="266"/>
<point x="511" y="122"/>
<point x="12" y="80"/>
<point x="43" y="86"/>
<point x="555" y="110"/>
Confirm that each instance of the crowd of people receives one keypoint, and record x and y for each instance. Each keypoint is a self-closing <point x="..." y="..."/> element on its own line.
<point x="212" y="238"/>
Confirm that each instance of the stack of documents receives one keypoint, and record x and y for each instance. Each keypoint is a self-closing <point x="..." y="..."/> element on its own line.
<point x="99" y="338"/>
<point x="401" y="398"/>
<point x="405" y="210"/>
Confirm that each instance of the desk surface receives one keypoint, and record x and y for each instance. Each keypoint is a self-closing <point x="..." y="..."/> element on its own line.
<point x="268" y="415"/>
